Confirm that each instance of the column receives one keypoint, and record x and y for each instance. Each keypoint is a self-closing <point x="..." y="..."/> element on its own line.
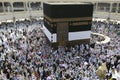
<point x="13" y="15"/>
<point x="41" y="5"/>
<point x="117" y="8"/>
<point x="24" y="3"/>
<point x="12" y="6"/>
<point x="96" y="6"/>
<point x="29" y="8"/>
<point x="3" y="7"/>
<point x="110" y="10"/>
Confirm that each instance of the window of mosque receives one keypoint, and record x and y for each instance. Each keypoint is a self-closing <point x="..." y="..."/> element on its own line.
<point x="7" y="7"/>
<point x="1" y="7"/>
<point x="114" y="6"/>
<point x="35" y="5"/>
<point x="104" y="7"/>
<point x="119" y="8"/>
<point x="18" y="6"/>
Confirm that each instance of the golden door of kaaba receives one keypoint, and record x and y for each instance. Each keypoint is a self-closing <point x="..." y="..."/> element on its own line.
<point x="62" y="33"/>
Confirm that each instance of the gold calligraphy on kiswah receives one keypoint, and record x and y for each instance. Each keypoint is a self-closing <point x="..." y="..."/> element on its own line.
<point x="67" y="19"/>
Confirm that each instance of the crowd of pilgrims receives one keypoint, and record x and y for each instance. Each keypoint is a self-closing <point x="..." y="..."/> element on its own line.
<point x="25" y="54"/>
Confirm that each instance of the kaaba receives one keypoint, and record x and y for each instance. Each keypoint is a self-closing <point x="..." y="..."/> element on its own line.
<point x="67" y="23"/>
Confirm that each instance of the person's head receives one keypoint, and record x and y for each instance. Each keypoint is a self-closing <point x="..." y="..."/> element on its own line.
<point x="16" y="73"/>
<point x="99" y="64"/>
<point x="114" y="79"/>
<point x="103" y="61"/>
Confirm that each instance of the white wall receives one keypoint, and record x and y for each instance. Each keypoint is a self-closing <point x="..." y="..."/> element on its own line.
<point x="20" y="15"/>
<point x="105" y="15"/>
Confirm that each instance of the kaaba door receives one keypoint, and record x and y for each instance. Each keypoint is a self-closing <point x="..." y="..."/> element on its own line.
<point x="62" y="33"/>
